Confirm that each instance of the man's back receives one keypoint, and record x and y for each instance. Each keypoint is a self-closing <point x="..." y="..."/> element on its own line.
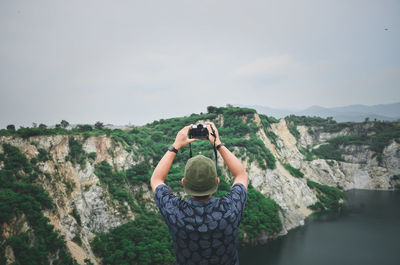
<point x="203" y="232"/>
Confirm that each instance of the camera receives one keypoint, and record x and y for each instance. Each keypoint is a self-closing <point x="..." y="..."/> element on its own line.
<point x="198" y="131"/>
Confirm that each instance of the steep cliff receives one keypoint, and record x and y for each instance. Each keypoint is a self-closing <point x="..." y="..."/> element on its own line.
<point x="98" y="180"/>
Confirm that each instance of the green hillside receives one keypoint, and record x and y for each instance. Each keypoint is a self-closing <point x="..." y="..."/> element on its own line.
<point x="146" y="239"/>
<point x="149" y="143"/>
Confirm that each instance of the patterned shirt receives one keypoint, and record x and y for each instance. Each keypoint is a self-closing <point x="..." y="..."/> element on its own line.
<point x="203" y="232"/>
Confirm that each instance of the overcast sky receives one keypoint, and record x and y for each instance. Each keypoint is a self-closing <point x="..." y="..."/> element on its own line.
<point x="136" y="61"/>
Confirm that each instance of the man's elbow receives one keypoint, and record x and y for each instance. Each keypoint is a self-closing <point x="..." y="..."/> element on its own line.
<point x="242" y="178"/>
<point x="155" y="182"/>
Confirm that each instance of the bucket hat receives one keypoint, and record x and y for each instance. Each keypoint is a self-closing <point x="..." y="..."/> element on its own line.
<point x="200" y="176"/>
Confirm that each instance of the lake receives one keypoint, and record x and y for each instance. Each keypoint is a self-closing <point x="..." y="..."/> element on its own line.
<point x="366" y="230"/>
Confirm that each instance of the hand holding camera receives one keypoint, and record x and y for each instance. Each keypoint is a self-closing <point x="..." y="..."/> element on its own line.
<point x="206" y="131"/>
<point x="191" y="133"/>
<point x="182" y="139"/>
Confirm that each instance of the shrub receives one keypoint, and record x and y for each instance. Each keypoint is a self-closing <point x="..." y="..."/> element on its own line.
<point x="43" y="155"/>
<point x="76" y="216"/>
<point x="395" y="177"/>
<point x="139" y="173"/>
<point x="329" y="197"/>
<point x="64" y="124"/>
<point x="146" y="240"/>
<point x="328" y="151"/>
<point x="76" y="153"/>
<point x="92" y="155"/>
<point x="84" y="128"/>
<point x="293" y="171"/>
<point x="260" y="214"/>
<point x="115" y="181"/>
<point x="99" y="125"/>
<point x="11" y="127"/>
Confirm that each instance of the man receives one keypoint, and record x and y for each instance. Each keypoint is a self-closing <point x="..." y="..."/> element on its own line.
<point x="203" y="228"/>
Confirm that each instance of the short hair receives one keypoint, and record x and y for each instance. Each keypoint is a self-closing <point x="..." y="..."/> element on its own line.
<point x="202" y="197"/>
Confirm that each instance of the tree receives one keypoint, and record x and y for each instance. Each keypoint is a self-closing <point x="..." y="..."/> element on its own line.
<point x="11" y="127"/>
<point x="99" y="125"/>
<point x="84" y="127"/>
<point x="213" y="109"/>
<point x="64" y="124"/>
<point x="42" y="126"/>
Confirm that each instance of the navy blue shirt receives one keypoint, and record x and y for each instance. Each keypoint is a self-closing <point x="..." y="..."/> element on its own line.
<point x="203" y="232"/>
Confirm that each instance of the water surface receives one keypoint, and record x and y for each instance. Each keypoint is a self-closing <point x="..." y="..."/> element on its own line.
<point x="366" y="230"/>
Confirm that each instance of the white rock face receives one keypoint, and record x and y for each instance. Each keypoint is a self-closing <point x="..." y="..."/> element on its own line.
<point x="360" y="171"/>
<point x="97" y="215"/>
<point x="94" y="206"/>
<point x="391" y="156"/>
<point x="292" y="194"/>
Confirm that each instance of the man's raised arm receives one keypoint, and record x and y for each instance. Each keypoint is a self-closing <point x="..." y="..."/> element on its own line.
<point x="161" y="171"/>
<point x="234" y="165"/>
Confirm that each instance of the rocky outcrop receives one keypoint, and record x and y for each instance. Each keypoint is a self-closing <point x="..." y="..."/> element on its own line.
<point x="83" y="205"/>
<point x="360" y="170"/>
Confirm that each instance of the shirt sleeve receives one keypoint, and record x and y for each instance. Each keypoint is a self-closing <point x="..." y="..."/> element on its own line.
<point x="237" y="197"/>
<point x="166" y="201"/>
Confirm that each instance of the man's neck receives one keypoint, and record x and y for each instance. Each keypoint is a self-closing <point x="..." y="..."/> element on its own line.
<point x="202" y="200"/>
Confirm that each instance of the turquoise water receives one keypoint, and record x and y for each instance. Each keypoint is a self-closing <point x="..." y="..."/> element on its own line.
<point x="366" y="230"/>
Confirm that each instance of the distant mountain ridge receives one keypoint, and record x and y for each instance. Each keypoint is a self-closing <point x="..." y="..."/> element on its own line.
<point x="355" y="113"/>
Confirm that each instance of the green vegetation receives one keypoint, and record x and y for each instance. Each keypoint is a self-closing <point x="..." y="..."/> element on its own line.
<point x="238" y="130"/>
<point x="43" y="155"/>
<point x="19" y="195"/>
<point x="293" y="171"/>
<point x="266" y="123"/>
<point x="395" y="177"/>
<point x="377" y="137"/>
<point x="29" y="132"/>
<point x="146" y="240"/>
<point x="328" y="151"/>
<point x="148" y="143"/>
<point x="76" y="153"/>
<point x="99" y="125"/>
<point x="293" y="128"/>
<point x="115" y="182"/>
<point x="11" y="127"/>
<point x="92" y="155"/>
<point x="84" y="128"/>
<point x="329" y="197"/>
<point x="394" y="181"/>
<point x="76" y="216"/>
<point x="64" y="124"/>
<point x="328" y="124"/>
<point x="139" y="173"/>
<point x="308" y="155"/>
<point x="260" y="214"/>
